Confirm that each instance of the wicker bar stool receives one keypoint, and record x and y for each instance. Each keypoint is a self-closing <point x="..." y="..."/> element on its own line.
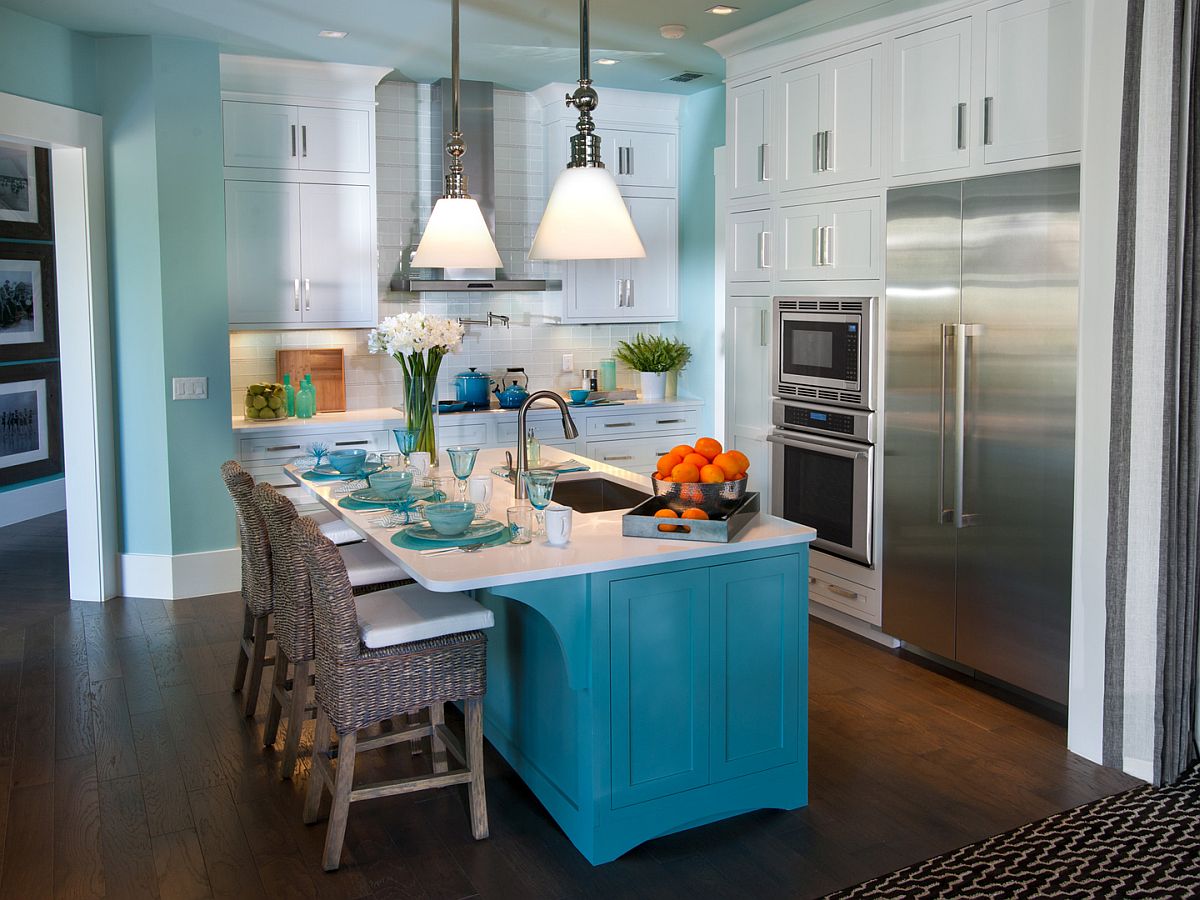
<point x="256" y="585"/>
<point x="293" y="616"/>
<point x="401" y="651"/>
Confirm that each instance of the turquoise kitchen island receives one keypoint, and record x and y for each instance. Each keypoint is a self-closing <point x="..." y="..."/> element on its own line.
<point x="638" y="686"/>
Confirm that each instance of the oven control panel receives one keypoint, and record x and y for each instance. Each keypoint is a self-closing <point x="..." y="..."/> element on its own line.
<point x="837" y="422"/>
<point x="853" y="424"/>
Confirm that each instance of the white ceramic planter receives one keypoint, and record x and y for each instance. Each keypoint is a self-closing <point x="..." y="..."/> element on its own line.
<point x="654" y="385"/>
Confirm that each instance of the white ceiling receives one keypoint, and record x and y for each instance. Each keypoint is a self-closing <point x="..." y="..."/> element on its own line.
<point x="521" y="44"/>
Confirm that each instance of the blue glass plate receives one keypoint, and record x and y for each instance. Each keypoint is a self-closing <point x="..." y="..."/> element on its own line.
<point x="370" y="495"/>
<point x="329" y="471"/>
<point x="424" y="533"/>
<point x="401" y="539"/>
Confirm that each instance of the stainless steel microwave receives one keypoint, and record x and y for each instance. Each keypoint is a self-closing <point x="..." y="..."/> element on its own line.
<point x="823" y="349"/>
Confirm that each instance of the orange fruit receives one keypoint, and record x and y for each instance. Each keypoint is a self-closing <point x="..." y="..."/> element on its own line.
<point x="682" y="450"/>
<point x="711" y="474"/>
<point x="697" y="460"/>
<point x="667" y="514"/>
<point x="685" y="472"/>
<point x="741" y="459"/>
<point x="730" y="466"/>
<point x="709" y="448"/>
<point x="694" y="514"/>
<point x="667" y="478"/>
<point x="691" y="493"/>
<point x="667" y="463"/>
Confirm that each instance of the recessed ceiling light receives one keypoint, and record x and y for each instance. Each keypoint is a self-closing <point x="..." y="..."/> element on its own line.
<point x="605" y="61"/>
<point x="672" y="32"/>
<point x="332" y="34"/>
<point x="721" y="10"/>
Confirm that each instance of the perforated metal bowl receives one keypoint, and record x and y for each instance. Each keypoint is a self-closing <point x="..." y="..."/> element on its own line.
<point x="715" y="499"/>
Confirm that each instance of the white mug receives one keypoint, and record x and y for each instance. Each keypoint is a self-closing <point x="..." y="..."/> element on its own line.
<point x="558" y="525"/>
<point x="419" y="460"/>
<point x="479" y="490"/>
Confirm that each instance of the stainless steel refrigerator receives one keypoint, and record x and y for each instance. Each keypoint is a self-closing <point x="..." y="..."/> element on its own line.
<point x="980" y="342"/>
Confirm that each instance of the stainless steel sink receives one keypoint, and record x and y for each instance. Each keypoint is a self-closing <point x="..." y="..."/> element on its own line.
<point x="595" y="494"/>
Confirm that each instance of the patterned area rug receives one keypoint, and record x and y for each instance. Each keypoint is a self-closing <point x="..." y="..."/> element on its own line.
<point x="1142" y="843"/>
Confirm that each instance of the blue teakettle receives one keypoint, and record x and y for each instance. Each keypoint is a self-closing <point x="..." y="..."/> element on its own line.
<point x="512" y="396"/>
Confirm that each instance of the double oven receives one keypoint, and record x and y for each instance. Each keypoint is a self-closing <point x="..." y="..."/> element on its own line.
<point x="823" y="419"/>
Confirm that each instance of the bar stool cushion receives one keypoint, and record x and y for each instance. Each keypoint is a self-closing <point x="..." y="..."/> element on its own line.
<point x="413" y="613"/>
<point x="366" y="565"/>
<point x="335" y="528"/>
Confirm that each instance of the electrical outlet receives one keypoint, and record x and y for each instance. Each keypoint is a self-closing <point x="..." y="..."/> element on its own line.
<point x="193" y="388"/>
<point x="568" y="362"/>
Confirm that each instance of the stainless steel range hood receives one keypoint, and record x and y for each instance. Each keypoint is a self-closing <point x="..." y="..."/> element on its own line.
<point x="477" y="118"/>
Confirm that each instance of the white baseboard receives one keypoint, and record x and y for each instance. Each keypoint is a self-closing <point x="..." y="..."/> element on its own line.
<point x="849" y="623"/>
<point x="164" y="577"/>
<point x="1138" y="768"/>
<point x="25" y="503"/>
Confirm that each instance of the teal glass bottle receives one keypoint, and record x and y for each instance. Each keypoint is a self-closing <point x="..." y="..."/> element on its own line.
<point x="305" y="401"/>
<point x="291" y="394"/>
<point x="313" y="390"/>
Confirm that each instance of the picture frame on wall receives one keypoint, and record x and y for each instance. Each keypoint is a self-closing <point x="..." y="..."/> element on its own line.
<point x="30" y="422"/>
<point x="28" y="305"/>
<point x="26" y="212"/>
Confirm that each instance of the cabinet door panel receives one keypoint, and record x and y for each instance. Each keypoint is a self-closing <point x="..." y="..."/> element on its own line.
<point x="758" y="451"/>
<point x="643" y="158"/>
<point x="335" y="140"/>
<point x="853" y="117"/>
<point x="932" y="77"/>
<point x="652" y="293"/>
<point x="594" y="289"/>
<point x="262" y="251"/>
<point x="339" y="267"/>
<point x="796" y="237"/>
<point x="749" y="137"/>
<point x="853" y="239"/>
<point x="660" y="693"/>
<point x="748" y="333"/>
<point x="758" y="638"/>
<point x="800" y="99"/>
<point x="260" y="135"/>
<point x="747" y="257"/>
<point x="1034" y="79"/>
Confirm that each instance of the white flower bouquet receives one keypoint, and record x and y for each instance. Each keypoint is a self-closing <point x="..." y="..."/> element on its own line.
<point x="418" y="342"/>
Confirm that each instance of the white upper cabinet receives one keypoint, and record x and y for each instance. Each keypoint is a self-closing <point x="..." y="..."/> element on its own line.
<point x="748" y="139"/>
<point x="834" y="241"/>
<point x="335" y="140"/>
<point x="309" y="138"/>
<point x="642" y="159"/>
<point x="337" y="265"/>
<point x="830" y="115"/>
<point x="1034" y="79"/>
<point x="798" y="237"/>
<point x="748" y="246"/>
<point x="931" y="99"/>
<point x="262" y="251"/>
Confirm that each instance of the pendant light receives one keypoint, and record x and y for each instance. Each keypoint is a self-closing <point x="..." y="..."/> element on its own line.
<point x="585" y="217"/>
<point x="456" y="235"/>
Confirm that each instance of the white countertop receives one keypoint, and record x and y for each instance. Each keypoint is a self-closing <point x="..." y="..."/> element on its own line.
<point x="597" y="544"/>
<point x="390" y="417"/>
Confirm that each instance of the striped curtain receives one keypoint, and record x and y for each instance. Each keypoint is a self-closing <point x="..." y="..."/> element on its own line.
<point x="1154" y="458"/>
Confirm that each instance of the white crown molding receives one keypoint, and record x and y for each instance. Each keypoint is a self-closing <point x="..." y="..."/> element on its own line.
<point x="300" y="78"/>
<point x="166" y="577"/>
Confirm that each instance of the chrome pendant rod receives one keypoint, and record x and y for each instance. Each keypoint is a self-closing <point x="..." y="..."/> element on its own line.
<point x="456" y="178"/>
<point x="585" y="146"/>
<point x="585" y="62"/>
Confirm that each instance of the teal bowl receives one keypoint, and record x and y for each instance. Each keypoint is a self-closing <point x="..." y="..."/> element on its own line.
<point x="450" y="519"/>
<point x="579" y="395"/>
<point x="348" y="461"/>
<point x="391" y="485"/>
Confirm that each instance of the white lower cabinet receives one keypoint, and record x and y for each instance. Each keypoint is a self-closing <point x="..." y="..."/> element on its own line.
<point x="748" y="363"/>
<point x="758" y="451"/>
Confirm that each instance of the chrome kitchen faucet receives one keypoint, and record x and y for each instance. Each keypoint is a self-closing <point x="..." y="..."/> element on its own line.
<point x="570" y="432"/>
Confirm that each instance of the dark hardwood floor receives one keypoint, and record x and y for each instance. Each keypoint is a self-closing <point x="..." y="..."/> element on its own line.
<point x="127" y="770"/>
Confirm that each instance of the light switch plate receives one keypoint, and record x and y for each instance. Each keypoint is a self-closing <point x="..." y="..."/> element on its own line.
<point x="191" y="388"/>
<point x="568" y="363"/>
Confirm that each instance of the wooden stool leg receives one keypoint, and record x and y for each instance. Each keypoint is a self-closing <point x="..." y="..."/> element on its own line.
<point x="239" y="674"/>
<point x="335" y="832"/>
<point x="256" y="665"/>
<point x="437" y="716"/>
<point x="478" y="797"/>
<point x="274" y="707"/>
<point x="316" y="781"/>
<point x="296" y="717"/>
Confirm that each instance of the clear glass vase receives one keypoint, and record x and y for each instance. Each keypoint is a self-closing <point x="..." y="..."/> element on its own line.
<point x="420" y="402"/>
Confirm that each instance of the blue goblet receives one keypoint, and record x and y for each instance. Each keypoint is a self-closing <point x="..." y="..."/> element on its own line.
<point x="539" y="487"/>
<point x="462" y="462"/>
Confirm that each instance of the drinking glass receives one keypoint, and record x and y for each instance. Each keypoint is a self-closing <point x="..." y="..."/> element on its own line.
<point x="520" y="523"/>
<point x="539" y="486"/>
<point x="391" y="460"/>
<point x="462" y="461"/>
<point x="406" y="442"/>
<point x="443" y="484"/>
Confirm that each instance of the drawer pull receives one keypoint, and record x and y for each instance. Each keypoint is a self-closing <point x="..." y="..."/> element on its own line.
<point x="288" y="447"/>
<point x="610" y="458"/>
<point x="669" y="421"/>
<point x="618" y="424"/>
<point x="811" y="580"/>
<point x="661" y="452"/>
<point x="842" y="592"/>
<point x="349" y="443"/>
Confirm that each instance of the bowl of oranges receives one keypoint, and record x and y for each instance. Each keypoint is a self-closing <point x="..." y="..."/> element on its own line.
<point x="700" y="481"/>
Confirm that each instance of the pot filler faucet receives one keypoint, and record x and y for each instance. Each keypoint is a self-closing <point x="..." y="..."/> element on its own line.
<point x="570" y="432"/>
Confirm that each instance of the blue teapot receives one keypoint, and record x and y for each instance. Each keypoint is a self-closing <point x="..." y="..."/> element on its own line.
<point x="512" y="396"/>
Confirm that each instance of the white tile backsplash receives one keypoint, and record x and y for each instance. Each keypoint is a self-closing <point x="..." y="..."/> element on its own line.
<point x="408" y="182"/>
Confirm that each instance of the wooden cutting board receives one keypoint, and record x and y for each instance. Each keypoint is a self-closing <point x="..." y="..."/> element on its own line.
<point x="328" y="370"/>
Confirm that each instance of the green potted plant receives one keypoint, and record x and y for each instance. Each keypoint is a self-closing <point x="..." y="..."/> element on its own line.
<point x="654" y="357"/>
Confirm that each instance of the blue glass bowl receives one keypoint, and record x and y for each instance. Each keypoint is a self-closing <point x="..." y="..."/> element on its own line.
<point x="348" y="461"/>
<point x="579" y="395"/>
<point x="451" y="518"/>
<point x="391" y="484"/>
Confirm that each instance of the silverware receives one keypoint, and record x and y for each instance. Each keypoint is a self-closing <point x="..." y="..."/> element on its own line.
<point x="471" y="548"/>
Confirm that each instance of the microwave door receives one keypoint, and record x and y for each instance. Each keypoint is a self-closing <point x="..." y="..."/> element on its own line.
<point x="820" y="350"/>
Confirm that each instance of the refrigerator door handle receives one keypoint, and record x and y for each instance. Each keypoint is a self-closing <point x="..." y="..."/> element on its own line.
<point x="964" y="333"/>
<point x="945" y="515"/>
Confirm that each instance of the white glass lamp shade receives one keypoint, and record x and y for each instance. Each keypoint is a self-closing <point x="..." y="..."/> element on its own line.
<point x="456" y="237"/>
<point x="586" y="218"/>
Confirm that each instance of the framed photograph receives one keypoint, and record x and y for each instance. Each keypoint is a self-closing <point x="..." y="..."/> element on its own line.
<point x="30" y="422"/>
<point x="25" y="209"/>
<point x="28" y="306"/>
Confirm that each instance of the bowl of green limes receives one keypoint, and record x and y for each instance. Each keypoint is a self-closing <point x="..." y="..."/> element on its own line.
<point x="266" y="401"/>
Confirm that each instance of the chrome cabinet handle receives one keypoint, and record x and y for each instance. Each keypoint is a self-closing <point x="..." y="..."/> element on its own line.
<point x="962" y="126"/>
<point x="620" y="160"/>
<point x="612" y="458"/>
<point x="620" y="292"/>
<point x="762" y="328"/>
<point x="286" y="447"/>
<point x="829" y="245"/>
<point x="987" y="120"/>
<point x="349" y="443"/>
<point x="762" y="258"/>
<point x="630" y="298"/>
<point x="669" y="422"/>
<point x="820" y="245"/>
<point x="304" y="140"/>
<point x="828" y="153"/>
<point x="296" y="294"/>
<point x="962" y="519"/>
<point x="766" y="249"/>
<point x="307" y="294"/>
<point x="819" y="153"/>
<point x="293" y="127"/>
<point x="618" y="424"/>
<point x="629" y="160"/>
<point x="841" y="592"/>
<point x="764" y="172"/>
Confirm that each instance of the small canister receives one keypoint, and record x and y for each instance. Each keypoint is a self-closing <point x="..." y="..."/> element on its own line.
<point x="591" y="380"/>
<point x="608" y="374"/>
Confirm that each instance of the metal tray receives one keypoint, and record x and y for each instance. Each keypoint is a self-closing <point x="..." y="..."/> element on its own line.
<point x="640" y="521"/>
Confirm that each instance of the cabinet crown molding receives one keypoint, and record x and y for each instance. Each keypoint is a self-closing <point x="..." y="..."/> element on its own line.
<point x="269" y="76"/>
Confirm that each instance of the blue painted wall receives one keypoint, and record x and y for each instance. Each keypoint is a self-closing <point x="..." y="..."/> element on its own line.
<point x="47" y="62"/>
<point x="702" y="130"/>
